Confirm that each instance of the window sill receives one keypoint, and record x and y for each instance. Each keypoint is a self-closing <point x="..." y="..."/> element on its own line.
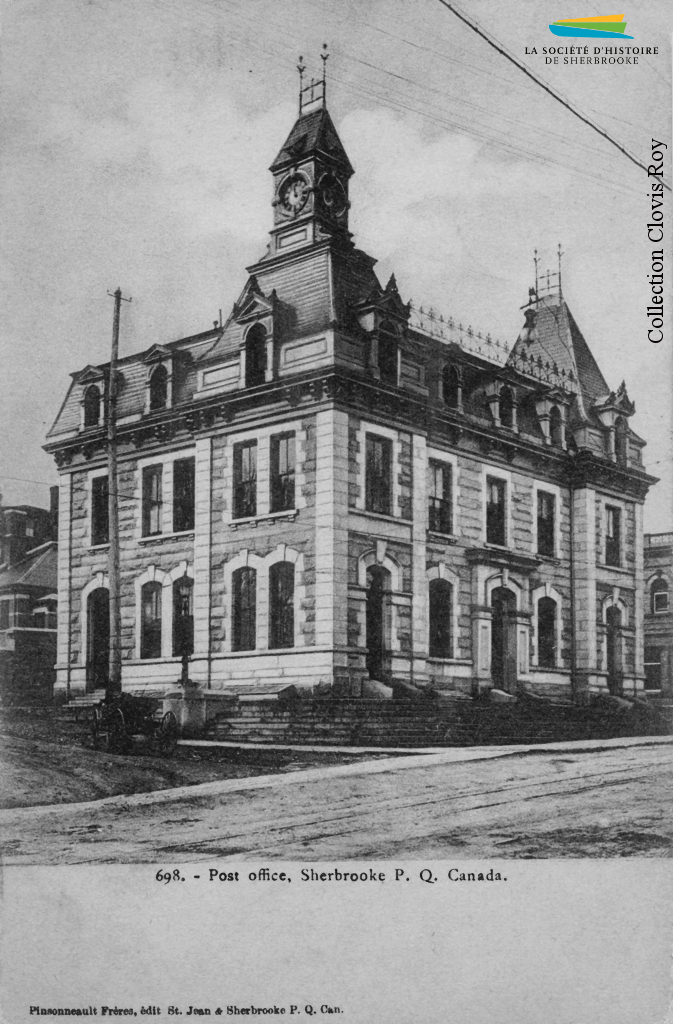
<point x="449" y="661"/>
<point x="99" y="547"/>
<point x="613" y="568"/>
<point x="165" y="536"/>
<point x="290" y="514"/>
<point x="550" y="559"/>
<point x="383" y="516"/>
<point x="445" y="538"/>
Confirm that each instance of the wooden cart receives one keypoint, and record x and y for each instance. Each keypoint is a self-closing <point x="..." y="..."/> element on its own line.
<point x="115" y="722"/>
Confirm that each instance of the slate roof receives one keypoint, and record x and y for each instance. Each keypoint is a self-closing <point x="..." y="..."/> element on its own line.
<point x="557" y="339"/>
<point x="312" y="133"/>
<point x="37" y="569"/>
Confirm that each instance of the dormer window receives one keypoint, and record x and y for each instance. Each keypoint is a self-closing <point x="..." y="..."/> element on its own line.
<point x="555" y="426"/>
<point x="158" y="388"/>
<point x="451" y="387"/>
<point x="255" y="356"/>
<point x="91" y="406"/>
<point x="506" y="407"/>
<point x="388" y="353"/>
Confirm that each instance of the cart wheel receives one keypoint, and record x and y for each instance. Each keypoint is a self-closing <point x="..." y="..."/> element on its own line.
<point x="109" y="731"/>
<point x="166" y="736"/>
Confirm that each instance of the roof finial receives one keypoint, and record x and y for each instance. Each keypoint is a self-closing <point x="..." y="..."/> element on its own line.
<point x="560" y="254"/>
<point x="324" y="56"/>
<point x="301" y="68"/>
<point x="535" y="261"/>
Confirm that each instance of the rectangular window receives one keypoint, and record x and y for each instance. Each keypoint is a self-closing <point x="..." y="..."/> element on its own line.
<point x="652" y="668"/>
<point x="546" y="523"/>
<point x="100" y="533"/>
<point x="378" y="474"/>
<point x="22" y="614"/>
<point x="282" y="472"/>
<point x="152" y="500"/>
<point x="612" y="535"/>
<point x="4" y="614"/>
<point x="439" y="506"/>
<point x="245" y="480"/>
<point x="183" y="495"/>
<point x="495" y="511"/>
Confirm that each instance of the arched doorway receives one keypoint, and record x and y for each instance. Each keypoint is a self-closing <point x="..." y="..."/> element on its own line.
<point x="503" y="639"/>
<point x="613" y="619"/>
<point x="98" y="639"/>
<point x="378" y="585"/>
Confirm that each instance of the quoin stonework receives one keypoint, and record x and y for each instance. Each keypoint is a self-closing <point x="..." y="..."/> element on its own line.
<point x="340" y="492"/>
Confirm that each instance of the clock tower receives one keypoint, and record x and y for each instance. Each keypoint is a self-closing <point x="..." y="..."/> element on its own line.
<point x="311" y="174"/>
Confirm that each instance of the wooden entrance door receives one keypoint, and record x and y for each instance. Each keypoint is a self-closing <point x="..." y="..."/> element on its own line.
<point x="613" y="620"/>
<point x="377" y="588"/>
<point x="98" y="639"/>
<point x="503" y="640"/>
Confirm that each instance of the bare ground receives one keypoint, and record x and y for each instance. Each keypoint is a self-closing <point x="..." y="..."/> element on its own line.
<point x="46" y="759"/>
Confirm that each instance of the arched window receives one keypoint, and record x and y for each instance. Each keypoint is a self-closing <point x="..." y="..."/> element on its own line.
<point x="451" y="386"/>
<point x="244" y="609"/>
<point x="281" y="605"/>
<point x="91" y="406"/>
<point x="659" y="596"/>
<point x="555" y="426"/>
<point x="388" y="346"/>
<point x="546" y="632"/>
<point x="255" y="356"/>
<point x="621" y="441"/>
<point x="183" y="617"/>
<point x="159" y="388"/>
<point x="506" y="407"/>
<point x="441" y="593"/>
<point x="150" y="620"/>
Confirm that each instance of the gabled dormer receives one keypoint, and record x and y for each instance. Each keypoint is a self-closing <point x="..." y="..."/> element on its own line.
<point x="92" y="385"/>
<point x="614" y="410"/>
<point x="245" y="354"/>
<point x="383" y="317"/>
<point x="159" y="378"/>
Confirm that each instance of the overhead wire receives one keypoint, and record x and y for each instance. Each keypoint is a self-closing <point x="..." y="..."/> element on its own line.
<point x="543" y="85"/>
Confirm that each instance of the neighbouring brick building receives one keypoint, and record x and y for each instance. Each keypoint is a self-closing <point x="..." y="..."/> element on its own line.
<point x="334" y="487"/>
<point x="28" y="596"/>
<point x="658" y="614"/>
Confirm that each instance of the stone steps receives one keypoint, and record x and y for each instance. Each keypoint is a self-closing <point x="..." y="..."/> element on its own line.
<point x="428" y="723"/>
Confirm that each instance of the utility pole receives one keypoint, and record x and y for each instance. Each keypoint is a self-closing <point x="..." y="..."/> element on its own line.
<point x="114" y="684"/>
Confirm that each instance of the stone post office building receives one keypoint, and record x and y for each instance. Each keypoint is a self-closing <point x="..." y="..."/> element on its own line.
<point x="334" y="487"/>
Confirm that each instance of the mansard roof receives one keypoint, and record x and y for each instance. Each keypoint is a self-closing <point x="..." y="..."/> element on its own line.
<point x="551" y="334"/>
<point x="312" y="134"/>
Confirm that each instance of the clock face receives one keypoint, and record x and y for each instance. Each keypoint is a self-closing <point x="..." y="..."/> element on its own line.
<point x="294" y="194"/>
<point x="333" y="195"/>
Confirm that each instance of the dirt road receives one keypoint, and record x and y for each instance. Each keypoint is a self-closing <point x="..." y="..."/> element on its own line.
<point x="613" y="802"/>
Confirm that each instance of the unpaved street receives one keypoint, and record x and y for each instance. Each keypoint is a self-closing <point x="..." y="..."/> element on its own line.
<point x="608" y="803"/>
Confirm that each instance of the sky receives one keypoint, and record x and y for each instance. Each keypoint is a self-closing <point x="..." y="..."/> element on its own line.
<point x="138" y="136"/>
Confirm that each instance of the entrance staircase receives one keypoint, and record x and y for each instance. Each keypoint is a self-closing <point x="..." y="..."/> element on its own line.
<point x="453" y="721"/>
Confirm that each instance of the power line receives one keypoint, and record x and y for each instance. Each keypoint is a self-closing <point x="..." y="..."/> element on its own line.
<point x="543" y="85"/>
